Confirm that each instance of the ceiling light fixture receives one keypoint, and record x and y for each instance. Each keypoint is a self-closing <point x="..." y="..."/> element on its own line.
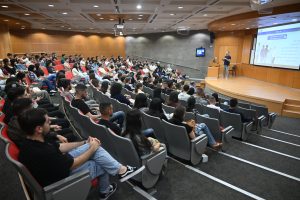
<point x="172" y="14"/>
<point x="51" y="5"/>
<point x="91" y="28"/>
<point x="180" y="7"/>
<point x="96" y="6"/>
<point x="27" y="14"/>
<point x="140" y="18"/>
<point x="23" y="28"/>
<point x="101" y="18"/>
<point x="275" y="23"/>
<point x="6" y="20"/>
<point x="43" y="28"/>
<point x="4" y="6"/>
<point x="232" y="24"/>
<point x="130" y="19"/>
<point x="17" y="23"/>
<point x="139" y="6"/>
<point x="98" y="14"/>
<point x="64" y="13"/>
<point x="141" y="15"/>
<point x="69" y="28"/>
<point x="62" y="26"/>
<point x="111" y="19"/>
<point x="204" y="15"/>
<point x="294" y="20"/>
<point x="247" y="28"/>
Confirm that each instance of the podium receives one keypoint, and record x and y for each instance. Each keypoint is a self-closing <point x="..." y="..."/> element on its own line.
<point x="213" y="72"/>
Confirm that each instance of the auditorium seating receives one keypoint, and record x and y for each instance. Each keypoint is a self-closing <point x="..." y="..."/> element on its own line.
<point x="213" y="113"/>
<point x="180" y="145"/>
<point x="168" y="109"/>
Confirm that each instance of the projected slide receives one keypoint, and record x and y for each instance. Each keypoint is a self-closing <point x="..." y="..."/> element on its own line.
<point x="278" y="46"/>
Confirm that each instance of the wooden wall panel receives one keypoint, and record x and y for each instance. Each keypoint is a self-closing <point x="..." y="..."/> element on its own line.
<point x="68" y="43"/>
<point x="5" y="45"/>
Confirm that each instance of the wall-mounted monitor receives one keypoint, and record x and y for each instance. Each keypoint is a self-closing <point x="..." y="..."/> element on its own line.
<point x="278" y="46"/>
<point x="200" y="52"/>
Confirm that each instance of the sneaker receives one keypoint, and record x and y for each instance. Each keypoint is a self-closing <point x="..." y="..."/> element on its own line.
<point x="131" y="172"/>
<point x="112" y="189"/>
<point x="53" y="91"/>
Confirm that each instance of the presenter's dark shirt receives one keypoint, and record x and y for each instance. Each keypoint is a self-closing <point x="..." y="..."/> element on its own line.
<point x="226" y="62"/>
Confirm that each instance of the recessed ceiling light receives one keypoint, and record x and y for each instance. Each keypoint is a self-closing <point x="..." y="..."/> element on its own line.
<point x="294" y="20"/>
<point x="95" y="6"/>
<point x="140" y="18"/>
<point x="64" y="13"/>
<point x="43" y="28"/>
<point x="22" y="28"/>
<point x="91" y="28"/>
<point x="130" y="19"/>
<point x="51" y="5"/>
<point x="111" y="19"/>
<point x="101" y="18"/>
<point x="205" y="15"/>
<point x="275" y="23"/>
<point x="27" y="14"/>
<point x="62" y="26"/>
<point x="172" y="14"/>
<point x="17" y="23"/>
<point x="141" y="15"/>
<point x="4" y="6"/>
<point x="180" y="7"/>
<point x="6" y="20"/>
<point x="232" y="24"/>
<point x="98" y="14"/>
<point x="139" y="6"/>
<point x="69" y="28"/>
<point x="247" y="28"/>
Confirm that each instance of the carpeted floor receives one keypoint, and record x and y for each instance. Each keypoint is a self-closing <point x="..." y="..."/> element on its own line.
<point x="181" y="182"/>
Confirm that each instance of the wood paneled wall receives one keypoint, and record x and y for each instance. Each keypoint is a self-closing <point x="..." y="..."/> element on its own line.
<point x="5" y="45"/>
<point x="239" y="43"/>
<point x="88" y="45"/>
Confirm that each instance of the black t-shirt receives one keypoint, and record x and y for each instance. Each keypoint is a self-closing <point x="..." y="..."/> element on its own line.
<point x="82" y="106"/>
<point x="179" y="123"/>
<point x="226" y="62"/>
<point x="117" y="130"/>
<point x="45" y="161"/>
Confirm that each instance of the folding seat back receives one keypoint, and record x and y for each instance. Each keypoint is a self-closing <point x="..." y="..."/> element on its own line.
<point x="59" y="67"/>
<point x="45" y="70"/>
<point x="248" y="113"/>
<point x="116" y="104"/>
<point x="199" y="108"/>
<point x="75" y="187"/>
<point x="124" y="107"/>
<point x="223" y="106"/>
<point x="213" y="113"/>
<point x="168" y="109"/>
<point x="76" y="121"/>
<point x="155" y="123"/>
<point x="183" y="103"/>
<point x="189" y="116"/>
<point x="3" y="133"/>
<point x="57" y="62"/>
<point x="104" y="98"/>
<point x="2" y="115"/>
<point x="244" y="105"/>
<point x="269" y="117"/>
<point x="69" y="75"/>
<point x="164" y="96"/>
<point x="148" y="91"/>
<point x="153" y="162"/>
<point x="180" y="145"/>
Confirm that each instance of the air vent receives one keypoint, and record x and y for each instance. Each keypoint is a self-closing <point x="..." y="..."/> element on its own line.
<point x="86" y="18"/>
<point x="153" y="18"/>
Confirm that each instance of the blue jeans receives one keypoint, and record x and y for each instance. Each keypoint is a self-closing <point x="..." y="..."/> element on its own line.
<point x="226" y="72"/>
<point x="149" y="132"/>
<point x="118" y="117"/>
<point x="202" y="127"/>
<point x="100" y="165"/>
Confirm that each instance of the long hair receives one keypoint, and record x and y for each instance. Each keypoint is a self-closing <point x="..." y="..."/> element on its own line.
<point x="155" y="106"/>
<point x="115" y="89"/>
<point x="137" y="87"/>
<point x="140" y="101"/>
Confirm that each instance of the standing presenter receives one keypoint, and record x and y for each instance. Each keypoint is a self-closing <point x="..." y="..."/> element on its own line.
<point x="226" y="60"/>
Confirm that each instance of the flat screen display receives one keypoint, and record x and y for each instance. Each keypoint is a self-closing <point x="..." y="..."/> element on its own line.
<point x="200" y="52"/>
<point x="278" y="46"/>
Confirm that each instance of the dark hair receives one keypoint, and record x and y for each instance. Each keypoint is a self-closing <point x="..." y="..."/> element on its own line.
<point x="20" y="105"/>
<point x="11" y="80"/>
<point x="140" y="101"/>
<point x="95" y="82"/>
<point x="137" y="87"/>
<point x="157" y="93"/>
<point x="191" y="91"/>
<point x="233" y="102"/>
<point x="20" y="76"/>
<point x="92" y="76"/>
<point x="170" y="84"/>
<point x="64" y="83"/>
<point x="186" y="88"/>
<point x="103" y="106"/>
<point x="173" y="98"/>
<point x="15" y="92"/>
<point x="134" y="129"/>
<point x="216" y="96"/>
<point x="155" y="106"/>
<point x="80" y="87"/>
<point x="32" y="118"/>
<point x="31" y="68"/>
<point x="115" y="89"/>
<point x="190" y="104"/>
<point x="179" y="113"/>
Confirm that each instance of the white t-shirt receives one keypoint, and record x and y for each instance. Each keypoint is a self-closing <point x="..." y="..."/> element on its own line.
<point x="183" y="96"/>
<point x="214" y="107"/>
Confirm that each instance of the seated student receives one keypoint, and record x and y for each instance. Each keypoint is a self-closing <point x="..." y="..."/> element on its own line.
<point x="78" y="74"/>
<point x="127" y="84"/>
<point x="169" y="89"/>
<point x="191" y="102"/>
<point x="193" y="130"/>
<point x="16" y="134"/>
<point x="212" y="103"/>
<point x="200" y="97"/>
<point x="115" y="93"/>
<point x="233" y="103"/>
<point x="141" y="102"/>
<point x="106" y="110"/>
<point x="95" y="82"/>
<point x="42" y="80"/>
<point x="138" y="88"/>
<point x="142" y="144"/>
<point x="173" y="99"/>
<point x="155" y="109"/>
<point x="157" y="94"/>
<point x="104" y="88"/>
<point x="50" y="162"/>
<point x="217" y="98"/>
<point x="183" y="95"/>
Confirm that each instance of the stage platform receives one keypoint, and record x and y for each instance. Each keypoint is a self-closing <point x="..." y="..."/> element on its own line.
<point x="271" y="95"/>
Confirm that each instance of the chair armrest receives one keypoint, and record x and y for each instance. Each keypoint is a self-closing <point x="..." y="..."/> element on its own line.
<point x="75" y="187"/>
<point x="262" y="117"/>
<point x="199" y="143"/>
<point x="154" y="161"/>
<point x="228" y="128"/>
<point x="198" y="138"/>
<point x="162" y="148"/>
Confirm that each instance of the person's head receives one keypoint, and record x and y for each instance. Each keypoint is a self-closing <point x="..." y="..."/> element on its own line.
<point x="104" y="86"/>
<point x="139" y="86"/>
<point x="15" y="93"/>
<point x="95" y="83"/>
<point x="133" y="122"/>
<point x="115" y="89"/>
<point x="216" y="96"/>
<point x="200" y="92"/>
<point x="157" y="93"/>
<point x="92" y="76"/>
<point x="173" y="98"/>
<point x="227" y="53"/>
<point x="31" y="68"/>
<point x="6" y="61"/>
<point x="178" y="86"/>
<point x="191" y="91"/>
<point x="233" y="103"/>
<point x="186" y="88"/>
<point x="21" y="76"/>
<point x="179" y="113"/>
<point x="65" y="83"/>
<point x="156" y="105"/>
<point x="191" y="102"/>
<point x="34" y="122"/>
<point x="81" y="91"/>
<point x="21" y="105"/>
<point x="140" y="101"/>
<point x="127" y="80"/>
<point x="106" y="109"/>
<point x="170" y="84"/>
<point x="212" y="100"/>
